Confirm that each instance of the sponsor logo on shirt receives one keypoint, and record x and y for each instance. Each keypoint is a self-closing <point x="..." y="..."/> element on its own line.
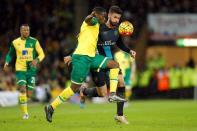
<point x="25" y="55"/>
<point x="106" y="43"/>
<point x="24" y="52"/>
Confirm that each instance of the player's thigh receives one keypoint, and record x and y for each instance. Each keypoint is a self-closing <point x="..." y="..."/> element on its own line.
<point x="99" y="78"/>
<point x="31" y="81"/>
<point x="80" y="68"/>
<point x="21" y="79"/>
<point x="99" y="62"/>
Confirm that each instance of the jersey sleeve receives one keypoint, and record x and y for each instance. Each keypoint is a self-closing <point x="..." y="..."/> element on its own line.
<point x="94" y="21"/>
<point x="122" y="46"/>
<point x="10" y="54"/>
<point x="40" y="51"/>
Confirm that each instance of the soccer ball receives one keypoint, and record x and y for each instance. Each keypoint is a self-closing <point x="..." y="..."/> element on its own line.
<point x="125" y="28"/>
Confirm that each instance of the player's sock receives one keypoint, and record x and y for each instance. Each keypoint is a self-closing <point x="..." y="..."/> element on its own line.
<point x="90" y="92"/>
<point x="128" y="94"/>
<point x="23" y="102"/>
<point x="113" y="75"/>
<point x="64" y="95"/>
<point x="120" y="105"/>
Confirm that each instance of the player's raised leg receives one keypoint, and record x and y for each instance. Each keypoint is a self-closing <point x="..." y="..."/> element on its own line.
<point x="101" y="62"/>
<point x="80" y="69"/>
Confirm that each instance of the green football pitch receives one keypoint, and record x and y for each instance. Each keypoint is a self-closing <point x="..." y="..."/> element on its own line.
<point x="159" y="115"/>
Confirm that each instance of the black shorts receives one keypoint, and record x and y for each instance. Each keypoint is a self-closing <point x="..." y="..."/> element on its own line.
<point x="102" y="77"/>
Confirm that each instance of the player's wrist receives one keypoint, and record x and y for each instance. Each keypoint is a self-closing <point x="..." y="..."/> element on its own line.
<point x="37" y="60"/>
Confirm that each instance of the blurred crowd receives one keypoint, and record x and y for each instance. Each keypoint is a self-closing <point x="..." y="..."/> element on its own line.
<point x="156" y="79"/>
<point x="52" y="23"/>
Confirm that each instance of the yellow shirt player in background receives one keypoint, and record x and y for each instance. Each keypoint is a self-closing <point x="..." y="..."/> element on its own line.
<point x="28" y="54"/>
<point x="128" y="67"/>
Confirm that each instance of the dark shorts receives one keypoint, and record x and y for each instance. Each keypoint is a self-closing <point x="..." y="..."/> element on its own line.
<point x="102" y="77"/>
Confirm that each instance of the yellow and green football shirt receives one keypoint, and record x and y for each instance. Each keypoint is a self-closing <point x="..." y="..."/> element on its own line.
<point x="124" y="59"/>
<point x="26" y="50"/>
<point x="87" y="40"/>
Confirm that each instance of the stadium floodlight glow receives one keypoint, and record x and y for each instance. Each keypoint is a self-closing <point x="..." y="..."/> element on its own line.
<point x="186" y="42"/>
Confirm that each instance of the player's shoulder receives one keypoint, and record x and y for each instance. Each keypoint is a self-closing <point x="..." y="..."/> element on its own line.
<point x="104" y="27"/>
<point x="118" y="54"/>
<point x="32" y="38"/>
<point x="16" y="40"/>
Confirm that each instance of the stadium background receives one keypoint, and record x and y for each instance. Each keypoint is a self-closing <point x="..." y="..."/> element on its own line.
<point x="164" y="70"/>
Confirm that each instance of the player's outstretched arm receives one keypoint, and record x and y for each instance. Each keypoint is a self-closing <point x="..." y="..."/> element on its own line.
<point x="124" y="48"/>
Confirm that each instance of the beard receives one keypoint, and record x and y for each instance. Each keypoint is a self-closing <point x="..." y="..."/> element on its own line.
<point x="113" y="23"/>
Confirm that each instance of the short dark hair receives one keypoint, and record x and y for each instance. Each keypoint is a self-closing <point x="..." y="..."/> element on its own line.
<point x="115" y="9"/>
<point x="99" y="9"/>
<point x="24" y="25"/>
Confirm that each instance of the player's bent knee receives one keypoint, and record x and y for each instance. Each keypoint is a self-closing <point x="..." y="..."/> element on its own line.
<point x="22" y="89"/>
<point x="75" y="87"/>
<point x="102" y="91"/>
<point x="121" y="83"/>
<point x="112" y="64"/>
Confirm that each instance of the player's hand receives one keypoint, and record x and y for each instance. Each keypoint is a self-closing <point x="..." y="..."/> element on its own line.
<point x="132" y="53"/>
<point x="67" y="60"/>
<point x="5" y="68"/>
<point x="34" y="62"/>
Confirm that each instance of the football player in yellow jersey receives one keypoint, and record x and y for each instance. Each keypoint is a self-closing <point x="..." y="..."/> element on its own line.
<point x="84" y="58"/>
<point x="28" y="54"/>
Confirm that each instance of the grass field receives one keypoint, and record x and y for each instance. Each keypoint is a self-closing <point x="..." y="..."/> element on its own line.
<point x="142" y="115"/>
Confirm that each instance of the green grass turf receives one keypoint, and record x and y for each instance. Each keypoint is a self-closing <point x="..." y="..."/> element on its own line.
<point x="142" y="115"/>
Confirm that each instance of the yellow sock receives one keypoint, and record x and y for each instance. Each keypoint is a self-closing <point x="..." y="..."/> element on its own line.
<point x="64" y="95"/>
<point x="23" y="102"/>
<point x="113" y="76"/>
<point x="128" y="94"/>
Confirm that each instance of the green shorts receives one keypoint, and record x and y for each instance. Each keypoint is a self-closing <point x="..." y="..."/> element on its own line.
<point x="25" y="78"/>
<point x="81" y="65"/>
